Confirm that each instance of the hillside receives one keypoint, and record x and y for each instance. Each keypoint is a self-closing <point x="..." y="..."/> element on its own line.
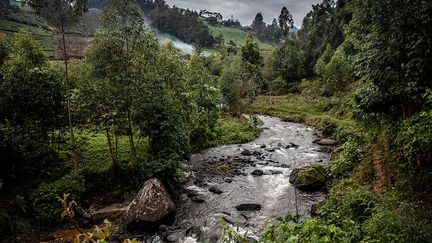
<point x="238" y="36"/>
<point x="79" y="36"/>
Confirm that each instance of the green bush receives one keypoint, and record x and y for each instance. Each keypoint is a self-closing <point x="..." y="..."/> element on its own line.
<point x="231" y="131"/>
<point x="328" y="127"/>
<point x="348" y="203"/>
<point x="310" y="230"/>
<point x="278" y="87"/>
<point x="348" y="159"/>
<point x="415" y="139"/>
<point x="46" y="207"/>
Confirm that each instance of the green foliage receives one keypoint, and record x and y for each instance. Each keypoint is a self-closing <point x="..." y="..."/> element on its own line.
<point x="278" y="86"/>
<point x="348" y="159"/>
<point x="68" y="207"/>
<point x="205" y="95"/>
<point x="232" y="130"/>
<point x="4" y="49"/>
<point x="394" y="221"/>
<point x="45" y="206"/>
<point x="335" y="69"/>
<point x="236" y="90"/>
<point x="59" y="13"/>
<point x="320" y="66"/>
<point x="286" y="22"/>
<point x="236" y="36"/>
<point x="98" y="235"/>
<point x="289" y="61"/>
<point x="185" y="24"/>
<point x="30" y="109"/>
<point x="290" y="229"/>
<point x="250" y="52"/>
<point x="415" y="139"/>
<point x="328" y="127"/>
<point x="397" y="67"/>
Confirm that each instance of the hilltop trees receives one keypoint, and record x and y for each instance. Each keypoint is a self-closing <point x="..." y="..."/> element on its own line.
<point x="286" y="22"/>
<point x="258" y="25"/>
<point x="182" y="23"/>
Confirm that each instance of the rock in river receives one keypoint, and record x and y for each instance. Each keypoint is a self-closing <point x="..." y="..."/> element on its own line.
<point x="246" y="152"/>
<point x="215" y="190"/>
<point x="248" y="207"/>
<point x="151" y="207"/>
<point x="309" y="178"/>
<point x="257" y="173"/>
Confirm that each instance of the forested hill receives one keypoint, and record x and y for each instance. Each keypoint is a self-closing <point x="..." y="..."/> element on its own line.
<point x="181" y="23"/>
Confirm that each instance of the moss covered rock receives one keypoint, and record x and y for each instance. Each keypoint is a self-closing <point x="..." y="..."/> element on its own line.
<point x="309" y="178"/>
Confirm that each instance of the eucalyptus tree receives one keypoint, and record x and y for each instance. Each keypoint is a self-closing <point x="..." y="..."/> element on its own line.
<point x="286" y="22"/>
<point x="62" y="14"/>
<point x="116" y="56"/>
<point x="202" y="87"/>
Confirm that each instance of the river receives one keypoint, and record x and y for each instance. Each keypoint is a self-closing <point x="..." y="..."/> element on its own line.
<point x="281" y="147"/>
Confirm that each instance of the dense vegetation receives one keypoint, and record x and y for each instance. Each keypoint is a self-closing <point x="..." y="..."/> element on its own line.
<point x="370" y="88"/>
<point x="131" y="118"/>
<point x="358" y="70"/>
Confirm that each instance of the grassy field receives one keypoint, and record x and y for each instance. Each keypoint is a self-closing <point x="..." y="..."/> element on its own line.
<point x="237" y="35"/>
<point x="308" y="105"/>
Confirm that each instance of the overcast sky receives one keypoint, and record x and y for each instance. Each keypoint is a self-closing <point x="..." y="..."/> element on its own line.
<point x="245" y="10"/>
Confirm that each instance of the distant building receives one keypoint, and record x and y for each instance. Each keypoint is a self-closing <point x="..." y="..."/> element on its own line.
<point x="212" y="18"/>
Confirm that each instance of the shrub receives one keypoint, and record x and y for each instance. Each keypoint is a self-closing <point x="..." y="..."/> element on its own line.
<point x="311" y="230"/>
<point x="348" y="203"/>
<point x="415" y="138"/>
<point x="46" y="207"/>
<point x="328" y="127"/>
<point x="347" y="160"/>
<point x="232" y="131"/>
<point x="278" y="87"/>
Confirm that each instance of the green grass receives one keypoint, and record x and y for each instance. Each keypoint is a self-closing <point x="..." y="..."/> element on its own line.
<point x="231" y="130"/>
<point x="95" y="152"/>
<point x="308" y="106"/>
<point x="239" y="36"/>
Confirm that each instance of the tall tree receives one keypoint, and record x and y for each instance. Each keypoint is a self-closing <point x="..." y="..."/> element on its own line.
<point x="252" y="62"/>
<point x="63" y="14"/>
<point x="258" y="25"/>
<point x="116" y="57"/>
<point x="286" y="22"/>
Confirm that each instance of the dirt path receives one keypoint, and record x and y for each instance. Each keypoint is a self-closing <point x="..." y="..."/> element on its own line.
<point x="380" y="181"/>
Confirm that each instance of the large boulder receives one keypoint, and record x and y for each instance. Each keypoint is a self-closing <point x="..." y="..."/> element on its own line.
<point x="151" y="207"/>
<point x="309" y="178"/>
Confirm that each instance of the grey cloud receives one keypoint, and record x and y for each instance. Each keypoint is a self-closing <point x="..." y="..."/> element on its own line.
<point x="245" y="10"/>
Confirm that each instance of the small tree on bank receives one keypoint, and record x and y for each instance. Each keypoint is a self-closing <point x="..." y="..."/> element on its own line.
<point x="63" y="14"/>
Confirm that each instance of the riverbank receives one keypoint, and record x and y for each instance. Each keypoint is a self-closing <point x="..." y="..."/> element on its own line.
<point x="364" y="203"/>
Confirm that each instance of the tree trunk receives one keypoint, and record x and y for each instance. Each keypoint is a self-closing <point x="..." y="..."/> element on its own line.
<point x="75" y="158"/>
<point x="111" y="149"/>
<point x="131" y="140"/>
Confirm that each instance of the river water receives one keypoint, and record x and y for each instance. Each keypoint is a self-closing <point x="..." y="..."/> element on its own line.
<point x="281" y="147"/>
